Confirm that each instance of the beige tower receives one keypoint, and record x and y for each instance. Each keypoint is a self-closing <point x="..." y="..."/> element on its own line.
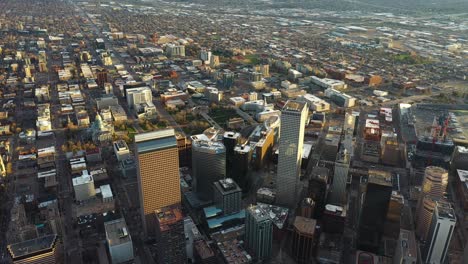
<point x="433" y="188"/>
<point x="158" y="173"/>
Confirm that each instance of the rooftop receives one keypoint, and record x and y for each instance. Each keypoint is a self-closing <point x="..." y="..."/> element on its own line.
<point x="408" y="243"/>
<point x="294" y="106"/>
<point x="168" y="216"/>
<point x="155" y="140"/>
<point x="445" y="210"/>
<point x="228" y="184"/>
<point x="117" y="232"/>
<point x="32" y="247"/>
<point x="83" y="179"/>
<point x="305" y="225"/>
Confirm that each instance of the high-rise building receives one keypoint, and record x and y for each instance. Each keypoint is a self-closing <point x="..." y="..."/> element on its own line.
<point x="208" y="163"/>
<point x="241" y="165"/>
<point x="340" y="177"/>
<point x="307" y="208"/>
<point x="258" y="232"/>
<point x="390" y="149"/>
<point x="119" y="241"/>
<point x="41" y="250"/>
<point x="433" y="187"/>
<point x="227" y="196"/>
<point x="265" y="69"/>
<point x="440" y="234"/>
<point x="303" y="240"/>
<point x="205" y="55"/>
<point x="83" y="186"/>
<point x="374" y="210"/>
<point x="185" y="150"/>
<point x="170" y="236"/>
<point x="318" y="189"/>
<point x="406" y="248"/>
<point x="157" y="172"/>
<point x="173" y="50"/>
<point x="214" y="61"/>
<point x="293" y="122"/>
<point x="459" y="159"/>
<point x="393" y="221"/>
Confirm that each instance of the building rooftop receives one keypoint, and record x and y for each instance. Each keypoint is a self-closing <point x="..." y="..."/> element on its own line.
<point x="168" y="216"/>
<point x="117" y="232"/>
<point x="294" y="106"/>
<point x="380" y="177"/>
<point x="408" y="243"/>
<point x="32" y="247"/>
<point x="83" y="179"/>
<point x="106" y="191"/>
<point x="305" y="225"/>
<point x="228" y="185"/>
<point x="233" y="252"/>
<point x="445" y="210"/>
<point x="155" y="140"/>
<point x="203" y="249"/>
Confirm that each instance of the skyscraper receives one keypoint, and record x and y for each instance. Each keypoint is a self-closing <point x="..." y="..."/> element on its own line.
<point x="406" y="249"/>
<point x="303" y="239"/>
<point x="440" y="234"/>
<point x="171" y="248"/>
<point x="258" y="232"/>
<point x="293" y="121"/>
<point x="227" y="196"/>
<point x="158" y="172"/>
<point x="208" y="162"/>
<point x="374" y="211"/>
<point x="433" y="188"/>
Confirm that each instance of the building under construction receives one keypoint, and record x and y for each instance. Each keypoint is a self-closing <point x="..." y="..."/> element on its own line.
<point x="436" y="149"/>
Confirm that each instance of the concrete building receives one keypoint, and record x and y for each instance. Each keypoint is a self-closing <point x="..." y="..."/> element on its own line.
<point x="406" y="251"/>
<point x="119" y="241"/>
<point x="121" y="150"/>
<point x="293" y="121"/>
<point x="440" y="234"/>
<point x="158" y="182"/>
<point x="341" y="99"/>
<point x="170" y="236"/>
<point x="315" y="103"/>
<point x="327" y="83"/>
<point x="303" y="239"/>
<point x="207" y="150"/>
<point x="374" y="210"/>
<point x="84" y="187"/>
<point x="139" y="95"/>
<point x="227" y="196"/>
<point x="41" y="250"/>
<point x="258" y="232"/>
<point x="173" y="50"/>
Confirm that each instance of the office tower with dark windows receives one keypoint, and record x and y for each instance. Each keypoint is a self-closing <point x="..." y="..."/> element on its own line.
<point x="293" y="122"/>
<point x="318" y="189"/>
<point x="374" y="210"/>
<point x="303" y="239"/>
<point x="157" y="172"/>
<point x="258" y="232"/>
<point x="241" y="165"/>
<point x="227" y="196"/>
<point x="208" y="163"/>
<point x="440" y="234"/>
<point x="170" y="236"/>
<point x="433" y="187"/>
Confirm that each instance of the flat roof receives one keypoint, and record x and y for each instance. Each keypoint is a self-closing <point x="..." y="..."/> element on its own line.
<point x="294" y="106"/>
<point x="117" y="232"/>
<point x="155" y="140"/>
<point x="83" y="179"/>
<point x="305" y="225"/>
<point x="32" y="247"/>
<point x="106" y="191"/>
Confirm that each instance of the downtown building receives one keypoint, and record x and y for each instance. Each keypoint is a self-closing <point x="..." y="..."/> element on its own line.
<point x="157" y="173"/>
<point x="258" y="232"/>
<point x="208" y="163"/>
<point x="170" y="236"/>
<point x="293" y="121"/>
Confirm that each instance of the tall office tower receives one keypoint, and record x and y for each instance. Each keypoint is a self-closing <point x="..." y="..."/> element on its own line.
<point x="440" y="234"/>
<point x="340" y="177"/>
<point x="374" y="211"/>
<point x="331" y="147"/>
<point x="293" y="121"/>
<point x="185" y="150"/>
<point x="227" y="196"/>
<point x="208" y="163"/>
<point x="406" y="248"/>
<point x="393" y="219"/>
<point x="230" y="140"/>
<point x="241" y="166"/>
<point x="303" y="240"/>
<point x="390" y="149"/>
<point x="157" y="172"/>
<point x="170" y="236"/>
<point x="318" y="189"/>
<point x="459" y="159"/>
<point x="424" y="215"/>
<point x="433" y="188"/>
<point x="101" y="75"/>
<point x="41" y="250"/>
<point x="307" y="207"/>
<point x="258" y="232"/>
